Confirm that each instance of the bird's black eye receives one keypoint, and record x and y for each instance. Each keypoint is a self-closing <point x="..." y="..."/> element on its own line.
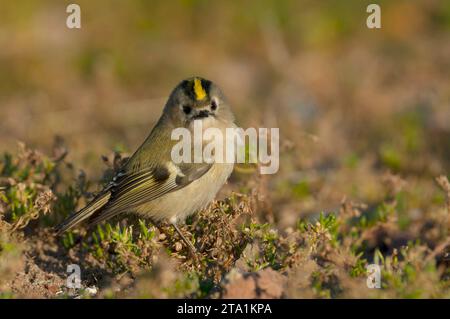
<point x="213" y="105"/>
<point x="187" y="109"/>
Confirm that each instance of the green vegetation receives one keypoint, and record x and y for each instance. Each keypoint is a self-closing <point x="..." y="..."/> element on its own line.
<point x="330" y="251"/>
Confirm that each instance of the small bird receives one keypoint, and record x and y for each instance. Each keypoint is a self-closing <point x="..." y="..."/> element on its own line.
<point x="150" y="184"/>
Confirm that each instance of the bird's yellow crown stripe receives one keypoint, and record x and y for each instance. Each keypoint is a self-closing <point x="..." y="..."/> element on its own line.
<point x="199" y="91"/>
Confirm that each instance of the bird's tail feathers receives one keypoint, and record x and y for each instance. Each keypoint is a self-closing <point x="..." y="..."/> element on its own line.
<point x="84" y="213"/>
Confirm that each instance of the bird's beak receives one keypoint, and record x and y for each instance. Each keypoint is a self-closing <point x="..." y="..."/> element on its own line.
<point x="202" y="114"/>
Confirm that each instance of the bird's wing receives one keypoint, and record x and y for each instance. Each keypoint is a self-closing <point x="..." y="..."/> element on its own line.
<point x="132" y="189"/>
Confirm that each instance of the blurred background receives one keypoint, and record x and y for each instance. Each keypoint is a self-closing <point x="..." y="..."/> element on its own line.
<point x="354" y="105"/>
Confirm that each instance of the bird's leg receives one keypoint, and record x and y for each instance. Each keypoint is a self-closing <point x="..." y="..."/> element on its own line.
<point x="188" y="243"/>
